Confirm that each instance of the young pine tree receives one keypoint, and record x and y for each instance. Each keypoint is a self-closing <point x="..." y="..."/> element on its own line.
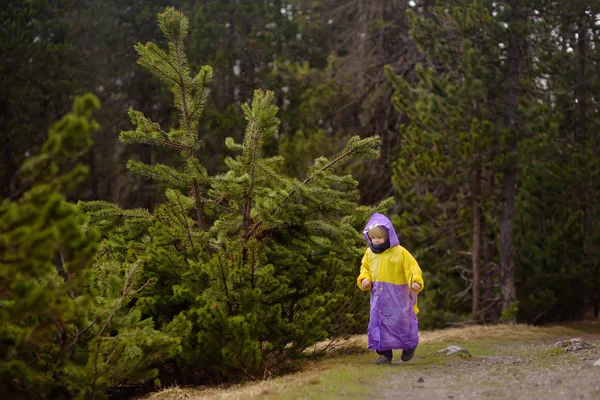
<point x="44" y="253"/>
<point x="65" y="331"/>
<point x="261" y="265"/>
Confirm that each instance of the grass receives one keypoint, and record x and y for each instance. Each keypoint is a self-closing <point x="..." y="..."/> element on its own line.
<point x="175" y="393"/>
<point x="348" y="370"/>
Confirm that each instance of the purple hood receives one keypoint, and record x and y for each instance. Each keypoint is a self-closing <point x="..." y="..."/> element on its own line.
<point x="381" y="220"/>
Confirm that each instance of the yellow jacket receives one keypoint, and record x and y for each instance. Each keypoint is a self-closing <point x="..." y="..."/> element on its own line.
<point x="395" y="265"/>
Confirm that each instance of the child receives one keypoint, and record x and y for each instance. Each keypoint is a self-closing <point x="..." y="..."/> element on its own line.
<point x="394" y="278"/>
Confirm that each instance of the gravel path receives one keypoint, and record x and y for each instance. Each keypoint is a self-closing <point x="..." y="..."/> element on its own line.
<point x="531" y="373"/>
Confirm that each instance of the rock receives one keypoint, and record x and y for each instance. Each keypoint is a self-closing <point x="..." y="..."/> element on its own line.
<point x="454" y="350"/>
<point x="420" y="380"/>
<point x="575" y="344"/>
<point x="597" y="363"/>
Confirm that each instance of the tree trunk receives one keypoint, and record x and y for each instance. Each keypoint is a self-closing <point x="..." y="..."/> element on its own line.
<point x="475" y="306"/>
<point x="509" y="191"/>
<point x="507" y="260"/>
<point x="580" y="92"/>
<point x="93" y="175"/>
<point x="200" y="216"/>
<point x="580" y="86"/>
<point x="8" y="168"/>
<point x="581" y="89"/>
<point x="489" y="299"/>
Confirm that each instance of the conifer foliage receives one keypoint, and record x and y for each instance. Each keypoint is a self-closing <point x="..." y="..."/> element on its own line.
<point x="258" y="264"/>
<point x="44" y="253"/>
<point x="445" y="163"/>
<point x="497" y="148"/>
<point x="65" y="331"/>
<point x="457" y="151"/>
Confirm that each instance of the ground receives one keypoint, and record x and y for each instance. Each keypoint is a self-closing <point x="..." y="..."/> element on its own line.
<point x="508" y="362"/>
<point x="509" y="371"/>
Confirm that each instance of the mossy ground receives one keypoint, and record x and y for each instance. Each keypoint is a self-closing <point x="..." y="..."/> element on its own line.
<point x="514" y="361"/>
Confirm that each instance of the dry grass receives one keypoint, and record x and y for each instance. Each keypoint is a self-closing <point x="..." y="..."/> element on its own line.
<point x="252" y="390"/>
<point x="462" y="334"/>
<point x="495" y="332"/>
<point x="174" y="393"/>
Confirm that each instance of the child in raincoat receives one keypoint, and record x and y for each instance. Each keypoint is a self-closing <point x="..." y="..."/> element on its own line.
<point x="394" y="278"/>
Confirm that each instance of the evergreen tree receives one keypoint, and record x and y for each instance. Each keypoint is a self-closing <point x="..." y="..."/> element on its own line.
<point x="64" y="331"/>
<point x="444" y="161"/>
<point x="260" y="264"/>
<point x="456" y="148"/>
<point x="44" y="255"/>
<point x="557" y="235"/>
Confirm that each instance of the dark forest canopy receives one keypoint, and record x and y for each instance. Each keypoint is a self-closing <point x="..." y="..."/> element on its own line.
<point x="215" y="206"/>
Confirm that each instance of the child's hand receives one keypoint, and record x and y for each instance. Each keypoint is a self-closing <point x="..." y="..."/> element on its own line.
<point x="416" y="286"/>
<point x="365" y="283"/>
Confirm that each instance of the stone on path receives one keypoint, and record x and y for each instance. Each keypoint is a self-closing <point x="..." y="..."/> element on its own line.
<point x="454" y="350"/>
<point x="575" y="344"/>
<point x="597" y="363"/>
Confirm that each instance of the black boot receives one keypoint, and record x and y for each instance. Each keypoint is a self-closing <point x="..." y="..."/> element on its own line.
<point x="407" y="355"/>
<point x="386" y="357"/>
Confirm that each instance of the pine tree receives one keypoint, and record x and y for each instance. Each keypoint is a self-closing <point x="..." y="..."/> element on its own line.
<point x="63" y="325"/>
<point x="558" y="245"/>
<point x="456" y="146"/>
<point x="444" y="168"/>
<point x="259" y="263"/>
<point x="44" y="253"/>
<point x="190" y="95"/>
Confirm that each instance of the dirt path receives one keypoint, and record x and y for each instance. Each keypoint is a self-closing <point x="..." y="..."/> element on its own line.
<point x="509" y="362"/>
<point x="510" y="372"/>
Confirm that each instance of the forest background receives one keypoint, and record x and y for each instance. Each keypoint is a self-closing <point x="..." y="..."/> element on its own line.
<point x="473" y="125"/>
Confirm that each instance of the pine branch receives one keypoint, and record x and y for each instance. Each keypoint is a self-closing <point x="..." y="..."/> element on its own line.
<point x="146" y="132"/>
<point x="197" y="171"/>
<point x="262" y="120"/>
<point x="79" y="333"/>
<point x="265" y="167"/>
<point x="104" y="206"/>
<point x="200" y="83"/>
<point x="176" y="198"/>
<point x="178" y="53"/>
<point x="157" y="62"/>
<point x="354" y="148"/>
<point x="124" y="294"/>
<point x="160" y="172"/>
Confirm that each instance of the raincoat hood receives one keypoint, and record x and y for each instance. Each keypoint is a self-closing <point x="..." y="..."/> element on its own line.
<point x="381" y="220"/>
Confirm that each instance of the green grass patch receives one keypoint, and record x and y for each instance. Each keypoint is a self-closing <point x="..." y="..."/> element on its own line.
<point x="351" y="377"/>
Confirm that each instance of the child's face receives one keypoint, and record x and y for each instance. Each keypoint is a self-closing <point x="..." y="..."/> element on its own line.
<point x="377" y="238"/>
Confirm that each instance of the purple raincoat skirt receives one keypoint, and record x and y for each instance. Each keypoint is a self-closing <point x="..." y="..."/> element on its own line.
<point x="393" y="323"/>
